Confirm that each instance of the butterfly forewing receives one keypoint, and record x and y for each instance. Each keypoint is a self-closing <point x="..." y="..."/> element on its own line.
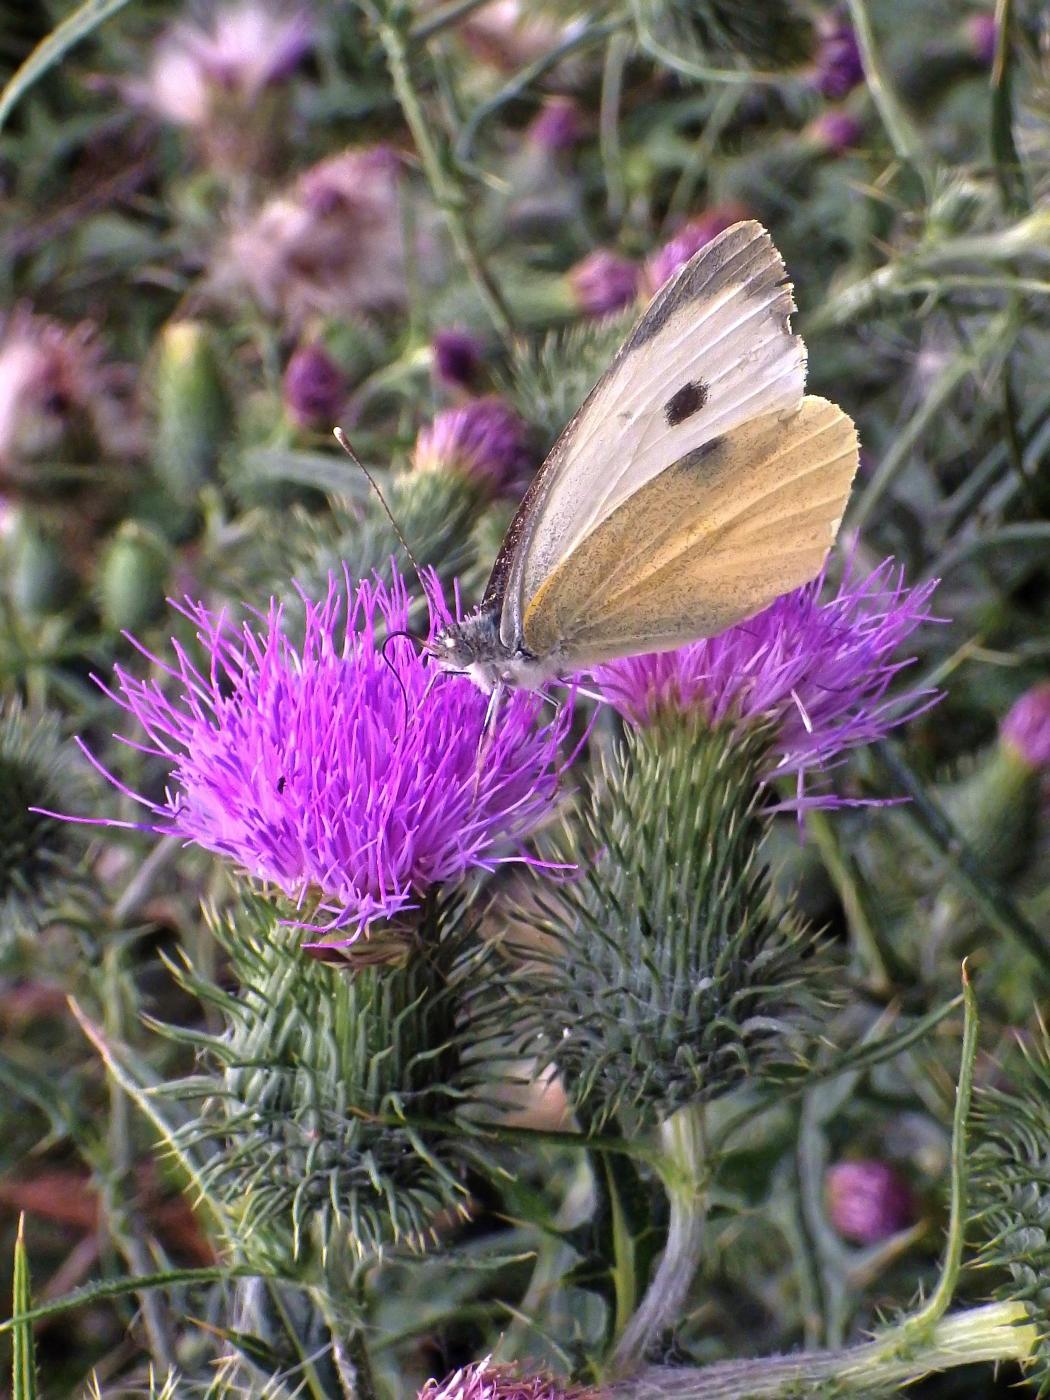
<point x="710" y="540"/>
<point x="713" y="351"/>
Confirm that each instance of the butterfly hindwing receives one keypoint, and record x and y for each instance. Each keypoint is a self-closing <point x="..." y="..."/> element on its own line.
<point x="710" y="540"/>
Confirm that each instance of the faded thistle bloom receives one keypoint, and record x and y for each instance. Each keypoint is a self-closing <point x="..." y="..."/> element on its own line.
<point x="314" y="388"/>
<point x="54" y="381"/>
<point x="457" y="357"/>
<point x="814" y="668"/>
<point x="868" y="1200"/>
<point x="689" y="239"/>
<point x="354" y="775"/>
<point x="603" y="282"/>
<point x="211" y="77"/>
<point x="484" y="1381"/>
<point x="485" y="441"/>
<point x="330" y="245"/>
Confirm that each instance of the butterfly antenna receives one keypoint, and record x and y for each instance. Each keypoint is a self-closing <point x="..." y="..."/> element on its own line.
<point x="344" y="442"/>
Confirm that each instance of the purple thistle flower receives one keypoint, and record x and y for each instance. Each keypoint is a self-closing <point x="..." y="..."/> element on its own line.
<point x="835" y="131"/>
<point x="816" y="669"/>
<point x="838" y="68"/>
<point x="1026" y="729"/>
<point x="868" y="1200"/>
<point x="603" y="282"/>
<point x="354" y="777"/>
<point x="558" y="126"/>
<point x="457" y="357"/>
<point x="689" y="239"/>
<point x="314" y="387"/>
<point x="483" y="1381"/>
<point x="484" y="440"/>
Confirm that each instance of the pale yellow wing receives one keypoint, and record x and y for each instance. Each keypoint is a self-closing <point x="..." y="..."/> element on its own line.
<point x="712" y="540"/>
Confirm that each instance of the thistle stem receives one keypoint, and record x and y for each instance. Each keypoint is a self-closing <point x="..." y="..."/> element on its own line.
<point x="899" y="126"/>
<point x="682" y="1140"/>
<point x="996" y="1332"/>
<point x="447" y="193"/>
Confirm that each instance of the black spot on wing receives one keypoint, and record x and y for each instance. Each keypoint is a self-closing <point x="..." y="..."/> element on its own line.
<point x="684" y="402"/>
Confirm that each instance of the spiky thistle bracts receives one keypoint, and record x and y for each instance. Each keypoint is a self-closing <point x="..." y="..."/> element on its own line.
<point x="328" y="1124"/>
<point x="673" y="971"/>
<point x="349" y="770"/>
<point x="1011" y="1188"/>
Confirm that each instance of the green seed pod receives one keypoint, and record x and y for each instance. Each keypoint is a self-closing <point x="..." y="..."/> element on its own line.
<point x="676" y="971"/>
<point x="40" y="581"/>
<point x="192" y="410"/>
<point x="132" y="578"/>
<point x="329" y="1089"/>
<point x="40" y="857"/>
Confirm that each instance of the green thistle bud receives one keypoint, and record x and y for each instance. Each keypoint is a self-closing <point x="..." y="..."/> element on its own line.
<point x="327" y="1090"/>
<point x="548" y="382"/>
<point x="40" y="581"/>
<point x="677" y="971"/>
<point x="132" y="578"/>
<point x="40" y="858"/>
<point x="435" y="510"/>
<point x="192" y="410"/>
<point x="1011" y="1191"/>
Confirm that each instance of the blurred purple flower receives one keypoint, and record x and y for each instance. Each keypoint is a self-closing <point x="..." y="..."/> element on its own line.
<point x="558" y="126"/>
<point x="53" y="377"/>
<point x="486" y="440"/>
<point x="982" y="33"/>
<point x="314" y="387"/>
<point x="484" y="1381"/>
<point x="208" y="77"/>
<point x="603" y="282"/>
<point x="457" y="357"/>
<point x="835" y="131"/>
<point x="330" y="246"/>
<point x="354" y="777"/>
<point x="816" y="669"/>
<point x="689" y="239"/>
<point x="838" y="68"/>
<point x="1026" y="729"/>
<point x="868" y="1200"/>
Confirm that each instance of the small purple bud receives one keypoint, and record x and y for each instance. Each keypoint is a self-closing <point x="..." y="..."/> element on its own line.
<point x="1026" y="729"/>
<point x="314" y="388"/>
<point x="982" y="33"/>
<point x="485" y="440"/>
<point x="603" y="282"/>
<point x="689" y="239"/>
<point x="868" y="1200"/>
<point x="838" y="69"/>
<point x="835" y="131"/>
<point x="558" y="126"/>
<point x="457" y="358"/>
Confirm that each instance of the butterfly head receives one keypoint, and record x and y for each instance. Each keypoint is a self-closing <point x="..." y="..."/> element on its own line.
<point x="475" y="648"/>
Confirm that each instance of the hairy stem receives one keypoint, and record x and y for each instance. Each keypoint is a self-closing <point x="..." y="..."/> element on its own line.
<point x="447" y="194"/>
<point x="996" y="1332"/>
<point x="661" y="1307"/>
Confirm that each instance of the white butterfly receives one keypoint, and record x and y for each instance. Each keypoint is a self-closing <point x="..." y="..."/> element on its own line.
<point x="696" y="483"/>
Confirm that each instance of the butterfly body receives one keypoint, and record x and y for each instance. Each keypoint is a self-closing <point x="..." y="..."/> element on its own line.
<point x="695" y="484"/>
